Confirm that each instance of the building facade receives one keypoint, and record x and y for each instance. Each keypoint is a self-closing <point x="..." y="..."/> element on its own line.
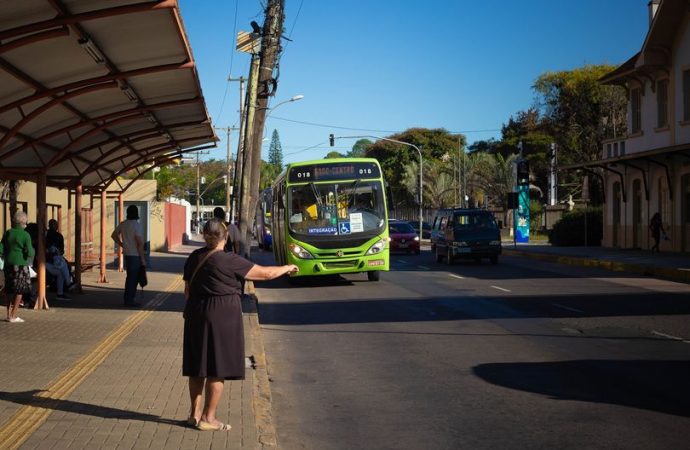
<point x="648" y="169"/>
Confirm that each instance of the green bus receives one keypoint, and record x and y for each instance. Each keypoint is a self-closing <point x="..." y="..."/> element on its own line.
<point x="330" y="217"/>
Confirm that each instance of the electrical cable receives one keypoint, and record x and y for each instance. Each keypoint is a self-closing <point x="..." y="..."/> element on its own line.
<point x="370" y="130"/>
<point x="232" y="58"/>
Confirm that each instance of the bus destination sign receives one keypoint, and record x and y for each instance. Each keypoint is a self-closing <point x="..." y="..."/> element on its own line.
<point x="333" y="172"/>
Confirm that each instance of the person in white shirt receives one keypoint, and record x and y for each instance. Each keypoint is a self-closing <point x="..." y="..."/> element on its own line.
<point x="129" y="236"/>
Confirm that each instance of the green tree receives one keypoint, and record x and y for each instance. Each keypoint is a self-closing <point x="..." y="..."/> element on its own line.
<point x="269" y="172"/>
<point x="275" y="151"/>
<point x="394" y="158"/>
<point x="581" y="113"/>
<point x="333" y="154"/>
<point x="359" y="149"/>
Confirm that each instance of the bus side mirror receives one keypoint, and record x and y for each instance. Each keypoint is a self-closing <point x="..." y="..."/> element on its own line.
<point x="389" y="195"/>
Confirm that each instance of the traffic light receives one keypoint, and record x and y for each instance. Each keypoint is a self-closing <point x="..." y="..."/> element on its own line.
<point x="523" y="172"/>
<point x="331" y="139"/>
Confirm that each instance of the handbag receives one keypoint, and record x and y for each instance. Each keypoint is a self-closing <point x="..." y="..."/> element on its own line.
<point x="141" y="277"/>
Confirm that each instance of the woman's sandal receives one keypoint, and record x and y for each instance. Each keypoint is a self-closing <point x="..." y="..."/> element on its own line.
<point x="206" y="426"/>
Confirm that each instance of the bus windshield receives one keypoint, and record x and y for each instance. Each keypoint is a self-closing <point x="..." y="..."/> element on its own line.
<point x="336" y="208"/>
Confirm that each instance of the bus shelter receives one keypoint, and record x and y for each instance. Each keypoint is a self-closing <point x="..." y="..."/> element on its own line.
<point x="90" y="90"/>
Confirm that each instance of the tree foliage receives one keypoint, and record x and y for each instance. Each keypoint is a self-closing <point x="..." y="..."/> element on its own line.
<point x="275" y="152"/>
<point x="395" y="158"/>
<point x="580" y="113"/>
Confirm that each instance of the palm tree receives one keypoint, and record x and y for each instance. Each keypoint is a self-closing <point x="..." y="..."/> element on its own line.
<point x="438" y="183"/>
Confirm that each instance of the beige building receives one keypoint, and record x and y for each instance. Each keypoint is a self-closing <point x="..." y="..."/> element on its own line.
<point x="60" y="207"/>
<point x="648" y="170"/>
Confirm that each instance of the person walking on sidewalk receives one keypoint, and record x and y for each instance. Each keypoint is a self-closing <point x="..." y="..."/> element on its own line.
<point x="129" y="236"/>
<point x="17" y="251"/>
<point x="213" y="345"/>
<point x="233" y="242"/>
<point x="657" y="229"/>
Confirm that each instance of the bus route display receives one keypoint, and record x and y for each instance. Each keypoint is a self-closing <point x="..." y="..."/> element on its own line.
<point x="333" y="172"/>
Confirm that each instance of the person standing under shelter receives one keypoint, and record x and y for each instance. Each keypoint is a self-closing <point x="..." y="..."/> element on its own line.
<point x="213" y="348"/>
<point x="129" y="236"/>
<point x="17" y="252"/>
<point x="657" y="229"/>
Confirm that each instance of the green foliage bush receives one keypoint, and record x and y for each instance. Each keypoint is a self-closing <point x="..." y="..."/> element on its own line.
<point x="570" y="230"/>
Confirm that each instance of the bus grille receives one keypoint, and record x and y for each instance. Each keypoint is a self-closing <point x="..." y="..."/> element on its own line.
<point x="340" y="264"/>
<point x="332" y="254"/>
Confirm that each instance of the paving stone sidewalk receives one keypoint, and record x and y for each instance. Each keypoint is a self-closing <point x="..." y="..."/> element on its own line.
<point x="89" y="373"/>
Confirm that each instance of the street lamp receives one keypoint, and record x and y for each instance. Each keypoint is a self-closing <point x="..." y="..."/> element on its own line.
<point x="293" y="99"/>
<point x="421" y="182"/>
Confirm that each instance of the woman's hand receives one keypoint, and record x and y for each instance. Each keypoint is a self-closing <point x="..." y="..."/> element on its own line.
<point x="291" y="268"/>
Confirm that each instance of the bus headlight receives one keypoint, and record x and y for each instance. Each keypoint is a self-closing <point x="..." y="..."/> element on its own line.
<point x="268" y="231"/>
<point x="377" y="247"/>
<point x="300" y="252"/>
<point x="416" y="238"/>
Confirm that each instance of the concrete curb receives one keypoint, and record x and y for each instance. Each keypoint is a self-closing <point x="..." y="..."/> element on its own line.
<point x="667" y="273"/>
<point x="265" y="429"/>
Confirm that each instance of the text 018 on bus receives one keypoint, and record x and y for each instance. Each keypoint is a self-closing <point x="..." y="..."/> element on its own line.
<point x="330" y="217"/>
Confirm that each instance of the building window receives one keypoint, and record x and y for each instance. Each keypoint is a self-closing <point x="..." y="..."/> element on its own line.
<point x="615" y="149"/>
<point x="622" y="148"/>
<point x="636" y="110"/>
<point x="686" y="95"/>
<point x="662" y="103"/>
<point x="608" y="150"/>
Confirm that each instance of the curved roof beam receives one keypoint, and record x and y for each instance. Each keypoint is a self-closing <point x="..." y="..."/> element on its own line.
<point x="173" y="156"/>
<point x="38" y="37"/>
<point x="96" y="165"/>
<point x="59" y="101"/>
<point x="91" y="81"/>
<point x="136" y="111"/>
<point x="84" y="17"/>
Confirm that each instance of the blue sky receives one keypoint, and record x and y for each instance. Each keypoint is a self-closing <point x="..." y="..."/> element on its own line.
<point x="377" y="67"/>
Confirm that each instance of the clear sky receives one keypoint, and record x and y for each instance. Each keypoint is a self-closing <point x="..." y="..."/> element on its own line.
<point x="376" y="67"/>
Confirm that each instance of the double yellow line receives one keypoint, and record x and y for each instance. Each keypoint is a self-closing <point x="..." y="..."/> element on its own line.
<point x="29" y="417"/>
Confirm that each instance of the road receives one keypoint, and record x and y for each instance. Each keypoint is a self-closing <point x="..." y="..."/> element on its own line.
<point x="519" y="355"/>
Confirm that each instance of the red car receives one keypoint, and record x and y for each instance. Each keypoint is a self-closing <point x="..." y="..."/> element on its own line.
<point x="403" y="237"/>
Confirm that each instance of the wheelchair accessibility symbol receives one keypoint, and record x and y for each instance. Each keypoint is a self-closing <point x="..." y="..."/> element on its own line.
<point x="345" y="228"/>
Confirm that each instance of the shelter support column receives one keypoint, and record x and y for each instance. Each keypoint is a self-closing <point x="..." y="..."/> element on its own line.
<point x="41" y="300"/>
<point x="68" y="234"/>
<point x="121" y="218"/>
<point x="101" y="277"/>
<point x="77" y="236"/>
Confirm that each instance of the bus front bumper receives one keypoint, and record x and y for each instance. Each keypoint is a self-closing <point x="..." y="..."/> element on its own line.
<point x="340" y="265"/>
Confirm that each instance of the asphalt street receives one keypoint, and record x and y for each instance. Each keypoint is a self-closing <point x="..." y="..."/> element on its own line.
<point x="523" y="354"/>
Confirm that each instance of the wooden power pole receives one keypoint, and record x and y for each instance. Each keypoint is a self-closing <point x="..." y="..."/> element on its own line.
<point x="265" y="88"/>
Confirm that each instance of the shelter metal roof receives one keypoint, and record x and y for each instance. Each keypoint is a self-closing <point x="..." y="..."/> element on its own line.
<point x="92" y="88"/>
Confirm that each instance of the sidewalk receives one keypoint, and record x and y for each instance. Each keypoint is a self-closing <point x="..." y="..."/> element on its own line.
<point x="669" y="266"/>
<point x="89" y="373"/>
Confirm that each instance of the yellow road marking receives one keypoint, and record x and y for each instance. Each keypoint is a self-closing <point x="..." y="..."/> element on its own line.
<point x="29" y="417"/>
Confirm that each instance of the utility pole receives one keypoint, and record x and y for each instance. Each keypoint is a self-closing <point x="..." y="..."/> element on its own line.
<point x="264" y="88"/>
<point x="228" y="171"/>
<point x="236" y="180"/>
<point x="553" y="194"/>
<point x="247" y="154"/>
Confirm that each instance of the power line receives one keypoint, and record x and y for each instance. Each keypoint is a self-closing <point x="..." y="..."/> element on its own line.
<point x="232" y="58"/>
<point x="374" y="131"/>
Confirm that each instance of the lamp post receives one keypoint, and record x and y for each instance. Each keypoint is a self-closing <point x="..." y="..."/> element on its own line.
<point x="421" y="182"/>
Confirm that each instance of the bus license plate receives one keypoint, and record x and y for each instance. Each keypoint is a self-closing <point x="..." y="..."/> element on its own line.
<point x="377" y="262"/>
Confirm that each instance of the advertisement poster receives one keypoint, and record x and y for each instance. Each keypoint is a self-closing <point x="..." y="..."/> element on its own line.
<point x="522" y="215"/>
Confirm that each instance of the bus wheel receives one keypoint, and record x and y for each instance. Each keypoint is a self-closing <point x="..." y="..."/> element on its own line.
<point x="374" y="275"/>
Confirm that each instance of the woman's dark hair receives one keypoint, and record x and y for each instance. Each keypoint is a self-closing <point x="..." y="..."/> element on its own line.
<point x="132" y="212"/>
<point x="214" y="232"/>
<point x="219" y="213"/>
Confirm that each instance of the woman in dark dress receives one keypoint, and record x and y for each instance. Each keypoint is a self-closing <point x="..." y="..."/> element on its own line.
<point x="213" y="349"/>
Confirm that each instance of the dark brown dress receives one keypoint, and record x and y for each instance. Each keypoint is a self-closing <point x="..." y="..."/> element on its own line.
<point x="213" y="333"/>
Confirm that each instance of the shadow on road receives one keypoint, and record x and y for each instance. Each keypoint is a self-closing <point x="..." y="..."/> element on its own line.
<point x="660" y="386"/>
